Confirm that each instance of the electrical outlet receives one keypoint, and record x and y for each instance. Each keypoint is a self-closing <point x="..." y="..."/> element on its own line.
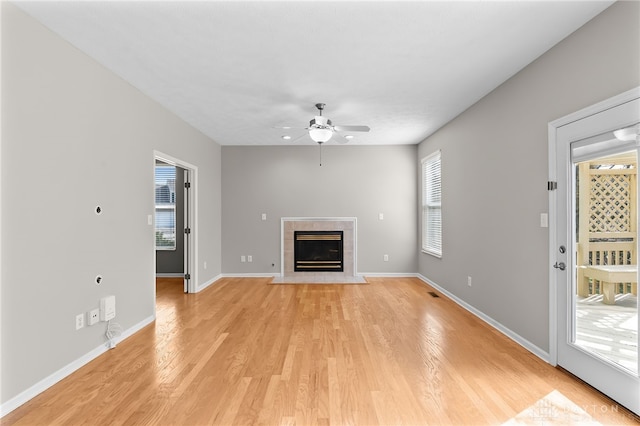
<point x="249" y="258"/>
<point x="385" y="257"/>
<point x="469" y="281"/>
<point x="79" y="321"/>
<point x="93" y="316"/>
<point x="243" y="259"/>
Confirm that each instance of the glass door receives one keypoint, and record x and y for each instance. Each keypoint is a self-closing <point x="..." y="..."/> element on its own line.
<point x="597" y="254"/>
<point x="605" y="301"/>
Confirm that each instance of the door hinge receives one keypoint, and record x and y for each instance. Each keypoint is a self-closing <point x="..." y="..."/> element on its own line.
<point x="187" y="276"/>
<point x="187" y="185"/>
<point x="187" y="230"/>
<point x="552" y="185"/>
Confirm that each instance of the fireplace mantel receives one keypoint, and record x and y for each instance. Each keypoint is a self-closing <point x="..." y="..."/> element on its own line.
<point x="291" y="224"/>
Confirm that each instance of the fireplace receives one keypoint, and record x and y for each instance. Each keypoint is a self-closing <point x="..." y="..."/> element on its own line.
<point x="318" y="251"/>
<point x="291" y="225"/>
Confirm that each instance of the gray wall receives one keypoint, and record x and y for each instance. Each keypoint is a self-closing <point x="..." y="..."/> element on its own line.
<point x="172" y="261"/>
<point x="75" y="136"/>
<point x="354" y="181"/>
<point x="495" y="168"/>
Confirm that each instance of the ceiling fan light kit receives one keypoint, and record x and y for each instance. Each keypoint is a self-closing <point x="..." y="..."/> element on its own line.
<point x="320" y="134"/>
<point x="321" y="129"/>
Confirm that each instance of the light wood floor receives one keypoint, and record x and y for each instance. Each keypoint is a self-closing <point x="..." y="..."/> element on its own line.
<point x="245" y="352"/>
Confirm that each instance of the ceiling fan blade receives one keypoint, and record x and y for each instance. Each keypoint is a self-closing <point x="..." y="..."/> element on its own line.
<point x="339" y="138"/>
<point x="351" y="128"/>
<point x="298" y="137"/>
<point x="288" y="127"/>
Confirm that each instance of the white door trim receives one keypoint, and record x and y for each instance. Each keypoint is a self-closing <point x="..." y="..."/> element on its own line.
<point x="193" y="207"/>
<point x="553" y="127"/>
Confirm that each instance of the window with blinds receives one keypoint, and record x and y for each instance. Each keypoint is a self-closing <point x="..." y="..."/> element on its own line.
<point x="165" y="207"/>
<point x="431" y="205"/>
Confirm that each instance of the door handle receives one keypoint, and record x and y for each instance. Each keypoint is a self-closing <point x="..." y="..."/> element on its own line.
<point x="560" y="265"/>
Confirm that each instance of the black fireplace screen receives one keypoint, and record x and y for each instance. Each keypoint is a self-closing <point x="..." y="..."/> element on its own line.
<point x="318" y="251"/>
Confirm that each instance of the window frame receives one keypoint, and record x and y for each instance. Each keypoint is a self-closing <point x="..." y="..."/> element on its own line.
<point x="431" y="202"/>
<point x="165" y="207"/>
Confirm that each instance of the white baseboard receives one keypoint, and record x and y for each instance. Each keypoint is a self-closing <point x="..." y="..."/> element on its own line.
<point x="251" y="275"/>
<point x="65" y="371"/>
<point x="388" y="274"/>
<point x="169" y="275"/>
<point x="279" y="275"/>
<point x="208" y="283"/>
<point x="493" y="323"/>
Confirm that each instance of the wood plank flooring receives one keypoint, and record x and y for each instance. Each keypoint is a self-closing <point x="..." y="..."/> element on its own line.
<point x="245" y="352"/>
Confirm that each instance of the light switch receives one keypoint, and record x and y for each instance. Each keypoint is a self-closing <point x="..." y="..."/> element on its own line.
<point x="544" y="220"/>
<point x="380" y="216"/>
<point x="264" y="216"/>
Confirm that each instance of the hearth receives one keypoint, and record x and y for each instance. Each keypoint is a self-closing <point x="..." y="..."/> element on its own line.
<point x="318" y="251"/>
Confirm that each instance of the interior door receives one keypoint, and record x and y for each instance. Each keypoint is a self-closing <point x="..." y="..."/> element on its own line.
<point x="596" y="256"/>
<point x="187" y="230"/>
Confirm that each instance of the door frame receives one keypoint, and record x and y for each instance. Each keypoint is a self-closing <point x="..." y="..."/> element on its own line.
<point x="192" y="247"/>
<point x="553" y="127"/>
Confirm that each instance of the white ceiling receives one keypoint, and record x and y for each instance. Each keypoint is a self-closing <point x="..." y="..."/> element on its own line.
<point x="237" y="69"/>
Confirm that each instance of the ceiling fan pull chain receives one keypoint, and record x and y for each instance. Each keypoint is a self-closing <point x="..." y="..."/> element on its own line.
<point x="320" y="153"/>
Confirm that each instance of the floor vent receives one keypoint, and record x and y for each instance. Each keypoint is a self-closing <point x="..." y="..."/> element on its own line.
<point x="433" y="294"/>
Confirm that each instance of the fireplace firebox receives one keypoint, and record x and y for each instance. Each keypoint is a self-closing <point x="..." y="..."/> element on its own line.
<point x="318" y="251"/>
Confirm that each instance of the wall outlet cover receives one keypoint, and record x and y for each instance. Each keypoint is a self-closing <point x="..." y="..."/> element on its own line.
<point x="79" y="321"/>
<point x="93" y="316"/>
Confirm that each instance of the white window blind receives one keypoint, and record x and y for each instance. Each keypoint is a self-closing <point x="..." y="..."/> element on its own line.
<point x="432" y="205"/>
<point x="165" y="207"/>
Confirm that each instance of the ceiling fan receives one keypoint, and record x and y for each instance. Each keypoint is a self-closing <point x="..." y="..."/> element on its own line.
<point x="321" y="129"/>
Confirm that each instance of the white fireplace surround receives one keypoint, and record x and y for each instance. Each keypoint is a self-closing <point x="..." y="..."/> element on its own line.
<point x="348" y="225"/>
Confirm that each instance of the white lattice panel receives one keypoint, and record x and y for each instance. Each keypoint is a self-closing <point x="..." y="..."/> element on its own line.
<point x="610" y="203"/>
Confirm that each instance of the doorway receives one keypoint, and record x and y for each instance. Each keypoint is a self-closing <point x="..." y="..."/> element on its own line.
<point x="174" y="225"/>
<point x="594" y="246"/>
